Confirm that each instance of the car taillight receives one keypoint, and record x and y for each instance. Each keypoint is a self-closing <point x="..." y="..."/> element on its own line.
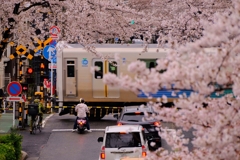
<point x="144" y="151"/>
<point x="119" y="123"/>
<point x="157" y="124"/>
<point x="102" y="154"/>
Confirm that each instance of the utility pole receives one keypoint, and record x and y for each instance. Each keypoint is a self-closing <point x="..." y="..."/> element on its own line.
<point x="2" y="77"/>
<point x="36" y="68"/>
<point x="2" y="67"/>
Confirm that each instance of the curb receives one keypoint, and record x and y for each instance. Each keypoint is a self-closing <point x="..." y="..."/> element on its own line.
<point x="24" y="155"/>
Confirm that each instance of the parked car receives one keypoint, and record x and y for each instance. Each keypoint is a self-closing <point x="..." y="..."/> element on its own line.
<point x="134" y="115"/>
<point x="123" y="141"/>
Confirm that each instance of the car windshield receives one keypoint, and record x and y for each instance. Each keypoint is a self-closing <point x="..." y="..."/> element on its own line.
<point x="119" y="140"/>
<point x="134" y="117"/>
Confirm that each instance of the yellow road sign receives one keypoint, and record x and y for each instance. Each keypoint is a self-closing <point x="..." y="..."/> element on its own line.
<point x="47" y="41"/>
<point x="12" y="43"/>
<point x="40" y="43"/>
<point x="21" y="50"/>
<point x="29" y="56"/>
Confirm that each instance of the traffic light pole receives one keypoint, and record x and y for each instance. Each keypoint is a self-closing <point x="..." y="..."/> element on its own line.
<point x="37" y="73"/>
<point x="51" y="79"/>
<point x="51" y="89"/>
<point x="37" y="81"/>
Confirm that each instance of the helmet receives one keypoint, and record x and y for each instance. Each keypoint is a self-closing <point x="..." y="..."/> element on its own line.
<point x="81" y="100"/>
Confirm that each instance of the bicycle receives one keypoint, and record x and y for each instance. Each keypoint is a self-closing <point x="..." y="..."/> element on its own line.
<point x="36" y="125"/>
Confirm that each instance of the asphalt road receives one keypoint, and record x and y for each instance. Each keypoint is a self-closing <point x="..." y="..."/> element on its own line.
<point x="58" y="142"/>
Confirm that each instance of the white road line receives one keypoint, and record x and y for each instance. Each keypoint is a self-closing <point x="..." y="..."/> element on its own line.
<point x="70" y="130"/>
<point x="45" y="120"/>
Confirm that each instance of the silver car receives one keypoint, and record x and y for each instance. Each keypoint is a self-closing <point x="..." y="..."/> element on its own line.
<point x="123" y="141"/>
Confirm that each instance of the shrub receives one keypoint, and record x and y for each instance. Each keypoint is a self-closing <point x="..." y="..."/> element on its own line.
<point x="7" y="152"/>
<point x="12" y="140"/>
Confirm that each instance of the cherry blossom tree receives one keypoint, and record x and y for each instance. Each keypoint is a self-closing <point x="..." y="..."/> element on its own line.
<point x="88" y="21"/>
<point x="204" y="23"/>
<point x="192" y="66"/>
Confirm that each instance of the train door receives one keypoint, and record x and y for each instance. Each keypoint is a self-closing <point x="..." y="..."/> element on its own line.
<point x="71" y="80"/>
<point x="100" y="90"/>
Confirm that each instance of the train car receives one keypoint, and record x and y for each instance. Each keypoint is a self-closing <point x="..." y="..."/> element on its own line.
<point x="75" y="79"/>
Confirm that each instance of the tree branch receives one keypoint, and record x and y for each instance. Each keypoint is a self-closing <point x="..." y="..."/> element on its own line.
<point x="43" y="4"/>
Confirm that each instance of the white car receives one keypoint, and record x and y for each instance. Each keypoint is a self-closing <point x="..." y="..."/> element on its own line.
<point x="123" y="141"/>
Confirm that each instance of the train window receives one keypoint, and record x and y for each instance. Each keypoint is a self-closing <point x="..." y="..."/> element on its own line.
<point x="112" y="67"/>
<point x="70" y="62"/>
<point x="70" y="71"/>
<point x="150" y="63"/>
<point x="99" y="72"/>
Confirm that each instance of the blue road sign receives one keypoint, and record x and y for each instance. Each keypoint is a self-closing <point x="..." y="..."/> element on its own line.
<point x="54" y="60"/>
<point x="116" y="39"/>
<point x="39" y="52"/>
<point x="49" y="51"/>
<point x="53" y="43"/>
<point x="14" y="88"/>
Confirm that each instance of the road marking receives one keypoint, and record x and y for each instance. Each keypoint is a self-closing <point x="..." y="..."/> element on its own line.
<point x="70" y="130"/>
<point x="2" y="131"/>
<point x="45" y="120"/>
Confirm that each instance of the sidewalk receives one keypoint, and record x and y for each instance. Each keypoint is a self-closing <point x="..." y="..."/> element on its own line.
<point x="6" y="122"/>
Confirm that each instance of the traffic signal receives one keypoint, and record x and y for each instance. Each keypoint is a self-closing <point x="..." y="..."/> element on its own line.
<point x="42" y="77"/>
<point x="29" y="80"/>
<point x="29" y="70"/>
<point x="42" y="66"/>
<point x="24" y="87"/>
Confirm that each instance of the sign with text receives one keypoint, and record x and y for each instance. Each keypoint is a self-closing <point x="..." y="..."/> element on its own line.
<point x="11" y="99"/>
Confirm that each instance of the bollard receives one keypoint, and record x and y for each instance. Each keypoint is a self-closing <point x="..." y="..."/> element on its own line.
<point x="20" y="124"/>
<point x="4" y="106"/>
<point x="25" y="116"/>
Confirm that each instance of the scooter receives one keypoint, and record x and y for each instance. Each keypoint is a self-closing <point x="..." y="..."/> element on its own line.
<point x="81" y="125"/>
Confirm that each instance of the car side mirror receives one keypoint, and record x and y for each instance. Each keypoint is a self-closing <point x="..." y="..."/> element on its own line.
<point x="115" y="116"/>
<point x="149" y="138"/>
<point x="100" y="139"/>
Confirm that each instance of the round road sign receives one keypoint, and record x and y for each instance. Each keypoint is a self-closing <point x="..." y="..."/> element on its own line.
<point x="14" y="88"/>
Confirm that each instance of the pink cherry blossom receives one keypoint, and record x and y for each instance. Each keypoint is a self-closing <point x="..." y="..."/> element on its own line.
<point x="203" y="50"/>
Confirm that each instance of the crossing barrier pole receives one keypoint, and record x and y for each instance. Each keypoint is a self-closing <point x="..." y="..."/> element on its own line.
<point x="20" y="124"/>
<point x="25" y="116"/>
<point x="14" y="106"/>
<point x="4" y="106"/>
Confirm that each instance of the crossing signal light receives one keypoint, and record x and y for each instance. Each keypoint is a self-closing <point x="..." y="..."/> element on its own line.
<point x="24" y="86"/>
<point x="29" y="70"/>
<point x="42" y="66"/>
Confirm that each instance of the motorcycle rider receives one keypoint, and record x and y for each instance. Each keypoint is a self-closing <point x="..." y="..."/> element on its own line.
<point x="81" y="110"/>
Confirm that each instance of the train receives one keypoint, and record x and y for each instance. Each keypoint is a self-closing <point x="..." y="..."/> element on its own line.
<point x="75" y="79"/>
